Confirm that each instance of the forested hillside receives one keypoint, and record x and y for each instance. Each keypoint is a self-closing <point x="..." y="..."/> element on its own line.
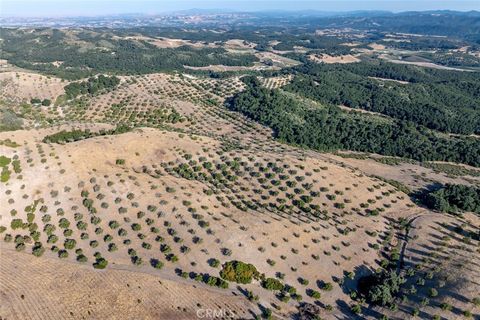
<point x="329" y="128"/>
<point x="443" y="22"/>
<point x="91" y="86"/>
<point x="92" y="55"/>
<point x="454" y="198"/>
<point x="447" y="101"/>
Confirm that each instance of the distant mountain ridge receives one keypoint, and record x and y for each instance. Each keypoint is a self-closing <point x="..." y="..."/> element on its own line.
<point x="465" y="25"/>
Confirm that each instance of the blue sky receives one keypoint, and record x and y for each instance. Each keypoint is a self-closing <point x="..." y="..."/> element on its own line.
<point x="57" y="8"/>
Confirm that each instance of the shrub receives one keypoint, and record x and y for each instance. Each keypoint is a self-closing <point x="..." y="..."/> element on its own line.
<point x="267" y="313"/>
<point x="250" y="296"/>
<point x="136" y="260"/>
<point x="157" y="264"/>
<point x="62" y="253"/>
<point x="327" y="286"/>
<point x="113" y="224"/>
<point x="476" y="302"/>
<point x="446" y="307"/>
<point x="69" y="244"/>
<point x="52" y="239"/>
<point x="81" y="225"/>
<point x="214" y="263"/>
<point x="314" y="294"/>
<point x="64" y="223"/>
<point x="81" y="258"/>
<point x="356" y="308"/>
<point x="100" y="263"/>
<point x="381" y="288"/>
<point x="172" y="258"/>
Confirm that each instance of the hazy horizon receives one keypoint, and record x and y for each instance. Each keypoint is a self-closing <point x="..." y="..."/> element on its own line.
<point x="76" y="8"/>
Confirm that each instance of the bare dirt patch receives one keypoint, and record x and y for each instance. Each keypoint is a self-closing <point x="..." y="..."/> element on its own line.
<point x="325" y="58"/>
<point x="419" y="63"/>
<point x="385" y="79"/>
<point x="414" y="176"/>
<point x="377" y="47"/>
<point x="162" y="42"/>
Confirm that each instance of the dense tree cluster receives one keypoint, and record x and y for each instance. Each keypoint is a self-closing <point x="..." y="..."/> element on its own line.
<point x="441" y="100"/>
<point x="76" y="135"/>
<point x="68" y="136"/>
<point x="381" y="288"/>
<point x="423" y="43"/>
<point x="329" y="128"/>
<point x="239" y="272"/>
<point x="91" y="86"/>
<point x="332" y="45"/>
<point x="44" y="102"/>
<point x="454" y="198"/>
